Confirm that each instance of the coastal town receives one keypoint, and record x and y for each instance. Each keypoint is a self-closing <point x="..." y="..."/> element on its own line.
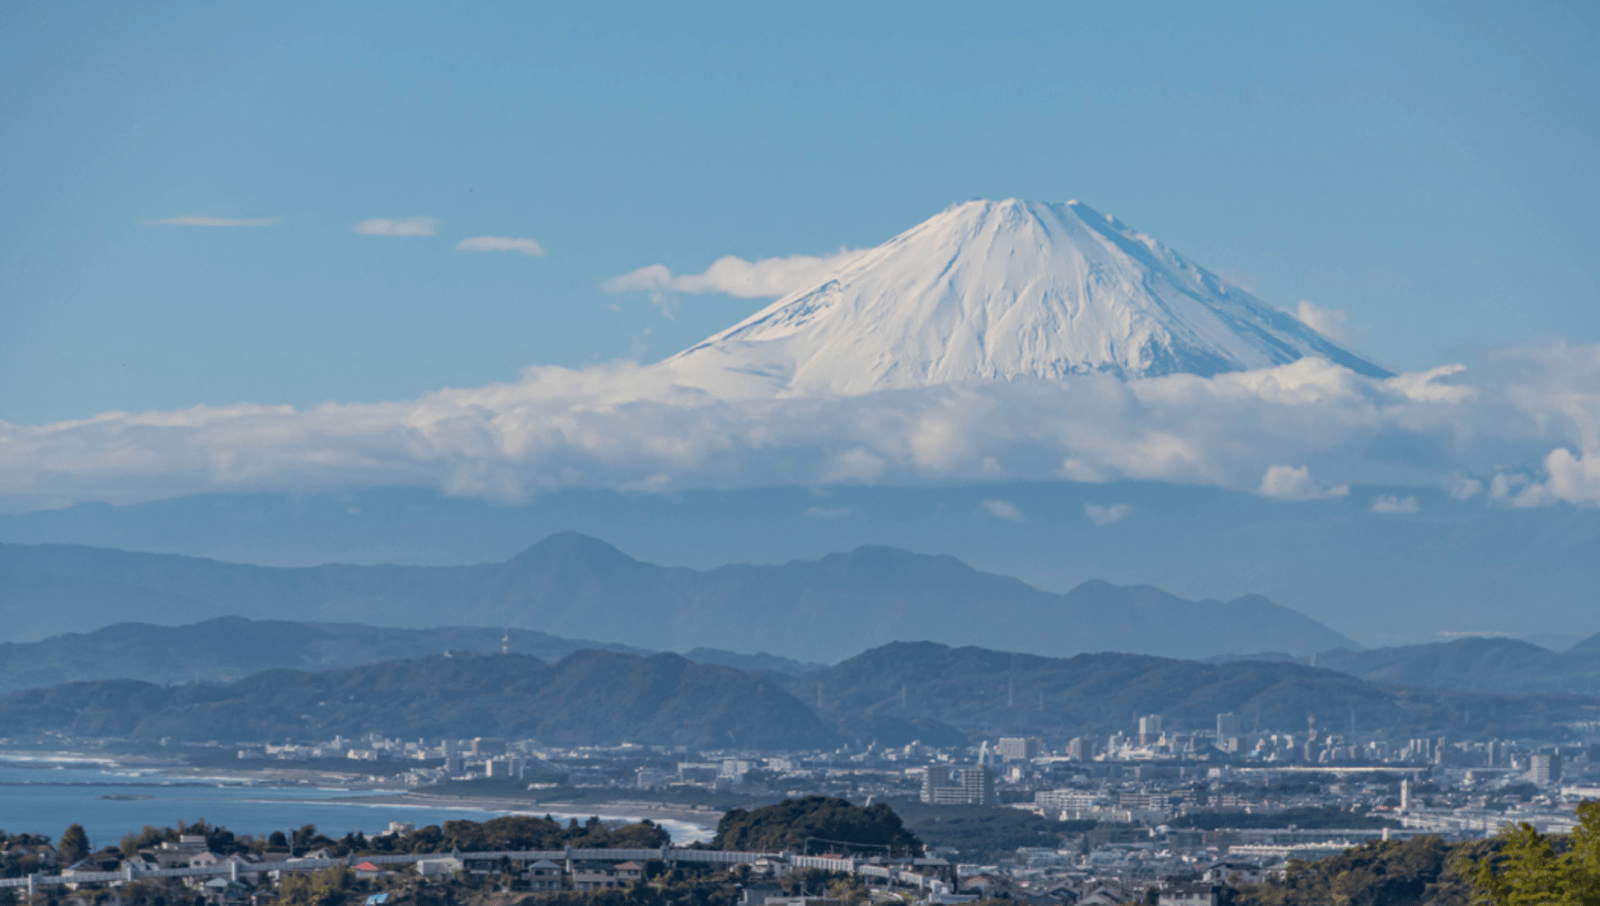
<point x="1149" y="812"/>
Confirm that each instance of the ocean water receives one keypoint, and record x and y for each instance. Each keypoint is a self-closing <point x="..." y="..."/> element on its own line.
<point x="46" y="797"/>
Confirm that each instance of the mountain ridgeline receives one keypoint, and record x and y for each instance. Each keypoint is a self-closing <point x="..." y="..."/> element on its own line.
<point x="891" y="695"/>
<point x="1471" y="664"/>
<point x="578" y="587"/>
<point x="225" y="649"/>
<point x="586" y="698"/>
<point x="894" y="692"/>
<point x="1003" y="290"/>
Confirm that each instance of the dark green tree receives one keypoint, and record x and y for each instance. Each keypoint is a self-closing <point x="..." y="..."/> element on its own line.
<point x="1532" y="869"/>
<point x="321" y="888"/>
<point x="74" y="845"/>
<point x="1414" y="872"/>
<point x="816" y="823"/>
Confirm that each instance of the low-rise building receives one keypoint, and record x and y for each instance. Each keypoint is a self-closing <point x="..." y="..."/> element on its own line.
<point x="443" y="866"/>
<point x="1190" y="893"/>
<point x="544" y="875"/>
<point x="595" y="876"/>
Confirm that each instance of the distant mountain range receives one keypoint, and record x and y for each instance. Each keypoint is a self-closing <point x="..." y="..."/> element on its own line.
<point x="586" y="698"/>
<point x="226" y="649"/>
<point x="1382" y="578"/>
<point x="892" y="695"/>
<point x="575" y="586"/>
<point x="1471" y="664"/>
<point x="894" y="689"/>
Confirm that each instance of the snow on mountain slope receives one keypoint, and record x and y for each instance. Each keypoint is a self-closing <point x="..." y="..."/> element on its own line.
<point x="999" y="290"/>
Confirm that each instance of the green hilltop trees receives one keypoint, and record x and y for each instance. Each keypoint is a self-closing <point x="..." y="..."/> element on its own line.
<point x="816" y="824"/>
<point x="1532" y="869"/>
<point x="1518" y="867"/>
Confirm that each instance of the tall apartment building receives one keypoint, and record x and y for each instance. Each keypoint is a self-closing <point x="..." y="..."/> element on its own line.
<point x="1227" y="725"/>
<point x="943" y="786"/>
<point x="1544" y="769"/>
<point x="1149" y="729"/>
<point x="1018" y="748"/>
<point x="978" y="785"/>
<point x="488" y="745"/>
<point x="503" y="766"/>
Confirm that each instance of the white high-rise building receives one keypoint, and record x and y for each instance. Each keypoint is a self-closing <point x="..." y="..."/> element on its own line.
<point x="1544" y="769"/>
<point x="1149" y="729"/>
<point x="1018" y="748"/>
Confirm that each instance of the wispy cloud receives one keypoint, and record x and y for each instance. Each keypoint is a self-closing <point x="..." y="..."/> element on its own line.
<point x="1295" y="483"/>
<point x="1391" y="503"/>
<point x="203" y="220"/>
<point x="1332" y="323"/>
<point x="529" y="247"/>
<point x="1001" y="509"/>
<point x="766" y="278"/>
<point x="1105" y="515"/>
<point x="407" y="226"/>
<point x="1464" y="488"/>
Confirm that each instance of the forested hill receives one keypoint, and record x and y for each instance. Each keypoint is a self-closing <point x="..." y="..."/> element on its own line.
<point x="587" y="698"/>
<point x="916" y="690"/>
<point x="225" y="649"/>
<point x="1492" y="664"/>
<point x="891" y="695"/>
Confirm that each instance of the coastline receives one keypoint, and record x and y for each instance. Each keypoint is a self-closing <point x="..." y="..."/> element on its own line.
<point x="113" y="794"/>
<point x="612" y="810"/>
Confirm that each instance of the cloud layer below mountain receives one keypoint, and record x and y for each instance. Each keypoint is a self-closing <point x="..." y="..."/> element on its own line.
<point x="1523" y="429"/>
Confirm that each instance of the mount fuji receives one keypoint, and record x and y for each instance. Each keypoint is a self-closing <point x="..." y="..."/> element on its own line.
<point x="1003" y="290"/>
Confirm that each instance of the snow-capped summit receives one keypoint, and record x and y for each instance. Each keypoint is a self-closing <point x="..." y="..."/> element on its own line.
<point x="998" y="290"/>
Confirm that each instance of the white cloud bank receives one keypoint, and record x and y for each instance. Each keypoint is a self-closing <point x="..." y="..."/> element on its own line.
<point x="1303" y="431"/>
<point x="529" y="247"/>
<point x="407" y="226"/>
<point x="766" y="278"/>
<point x="202" y="220"/>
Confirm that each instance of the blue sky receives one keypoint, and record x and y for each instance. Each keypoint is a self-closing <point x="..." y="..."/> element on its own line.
<point x="308" y="249"/>
<point x="1427" y="168"/>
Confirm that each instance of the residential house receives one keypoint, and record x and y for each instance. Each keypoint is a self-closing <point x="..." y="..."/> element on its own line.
<point x="440" y="867"/>
<point x="224" y="891"/>
<point x="595" y="876"/>
<point x="544" y="875"/>
<point x="1190" y="893"/>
